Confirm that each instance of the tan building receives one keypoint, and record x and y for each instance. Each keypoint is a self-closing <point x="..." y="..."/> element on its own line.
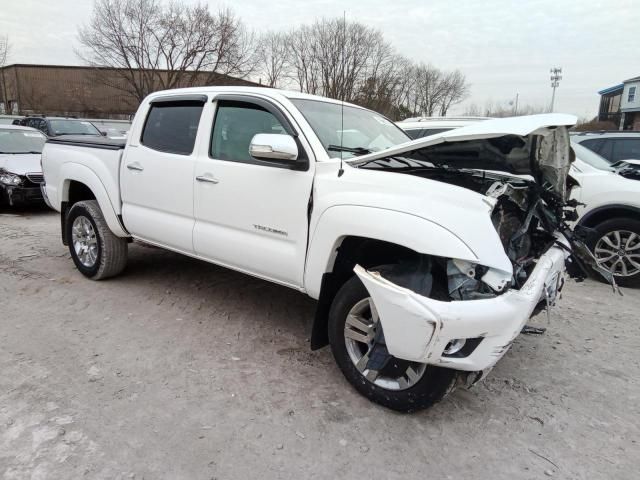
<point x="79" y="91"/>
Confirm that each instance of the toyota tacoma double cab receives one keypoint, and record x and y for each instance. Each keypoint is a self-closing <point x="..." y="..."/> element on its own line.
<point x="426" y="257"/>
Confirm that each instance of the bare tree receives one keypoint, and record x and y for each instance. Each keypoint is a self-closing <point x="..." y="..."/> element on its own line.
<point x="502" y="109"/>
<point x="152" y="45"/>
<point x="5" y="51"/>
<point x="273" y="58"/>
<point x="430" y="88"/>
<point x="333" y="57"/>
<point x="303" y="60"/>
<point x="454" y="91"/>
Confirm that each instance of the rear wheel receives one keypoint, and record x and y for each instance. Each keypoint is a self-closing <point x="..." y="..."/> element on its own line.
<point x="95" y="250"/>
<point x="357" y="343"/>
<point x="617" y="249"/>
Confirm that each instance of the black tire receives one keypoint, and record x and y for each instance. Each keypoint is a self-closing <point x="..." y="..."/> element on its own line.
<point x="112" y="250"/>
<point x="608" y="226"/>
<point x="434" y="385"/>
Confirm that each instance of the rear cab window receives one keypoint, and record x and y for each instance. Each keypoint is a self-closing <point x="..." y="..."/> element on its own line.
<point x="172" y="125"/>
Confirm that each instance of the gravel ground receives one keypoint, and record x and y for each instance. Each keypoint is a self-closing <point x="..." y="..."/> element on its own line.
<point x="183" y="370"/>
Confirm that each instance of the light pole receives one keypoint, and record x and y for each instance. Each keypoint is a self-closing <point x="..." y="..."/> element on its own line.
<point x="555" y="82"/>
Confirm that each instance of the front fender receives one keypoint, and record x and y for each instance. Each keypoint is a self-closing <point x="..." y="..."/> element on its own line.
<point x="407" y="230"/>
<point x="76" y="172"/>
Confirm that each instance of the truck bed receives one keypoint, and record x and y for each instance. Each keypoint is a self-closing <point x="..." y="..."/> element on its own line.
<point x="93" y="161"/>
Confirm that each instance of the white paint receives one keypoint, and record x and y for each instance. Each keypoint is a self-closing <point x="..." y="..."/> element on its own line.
<point x="601" y="188"/>
<point x="418" y="328"/>
<point x="254" y="219"/>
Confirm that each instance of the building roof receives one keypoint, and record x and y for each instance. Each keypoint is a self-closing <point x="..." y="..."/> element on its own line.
<point x="613" y="89"/>
<point x="634" y="79"/>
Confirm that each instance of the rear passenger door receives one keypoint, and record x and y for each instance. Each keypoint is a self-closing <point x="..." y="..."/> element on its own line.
<point x="157" y="173"/>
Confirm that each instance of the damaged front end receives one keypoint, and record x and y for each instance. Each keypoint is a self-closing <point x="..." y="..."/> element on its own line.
<point x="472" y="312"/>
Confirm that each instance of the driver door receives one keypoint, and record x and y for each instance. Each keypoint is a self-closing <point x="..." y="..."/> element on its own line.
<point x="251" y="215"/>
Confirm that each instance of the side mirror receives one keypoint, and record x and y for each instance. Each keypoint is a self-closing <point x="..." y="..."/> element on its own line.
<point x="273" y="146"/>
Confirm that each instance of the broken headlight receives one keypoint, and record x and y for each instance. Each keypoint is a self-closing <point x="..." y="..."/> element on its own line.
<point x="470" y="281"/>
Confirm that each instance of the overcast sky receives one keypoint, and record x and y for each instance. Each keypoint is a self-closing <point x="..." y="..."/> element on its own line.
<point x="504" y="47"/>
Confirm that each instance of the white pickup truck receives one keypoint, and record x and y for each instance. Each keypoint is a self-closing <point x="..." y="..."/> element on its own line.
<point x="427" y="257"/>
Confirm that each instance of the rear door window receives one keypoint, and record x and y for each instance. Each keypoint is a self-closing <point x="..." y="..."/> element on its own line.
<point x="626" y="149"/>
<point x="172" y="126"/>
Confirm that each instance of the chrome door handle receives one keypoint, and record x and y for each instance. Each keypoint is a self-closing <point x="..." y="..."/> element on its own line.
<point x="205" y="178"/>
<point x="135" y="166"/>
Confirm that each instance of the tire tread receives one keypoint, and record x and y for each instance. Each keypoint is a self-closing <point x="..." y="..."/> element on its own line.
<point x="113" y="249"/>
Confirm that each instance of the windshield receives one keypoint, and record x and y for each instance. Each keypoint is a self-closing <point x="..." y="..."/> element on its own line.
<point x="72" y="127"/>
<point x="360" y="130"/>
<point x="21" y="141"/>
<point x="590" y="157"/>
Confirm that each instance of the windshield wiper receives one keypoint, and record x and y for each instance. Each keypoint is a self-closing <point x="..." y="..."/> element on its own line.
<point x="77" y="133"/>
<point x="356" y="150"/>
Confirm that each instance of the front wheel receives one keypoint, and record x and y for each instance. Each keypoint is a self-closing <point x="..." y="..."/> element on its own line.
<point x="357" y="343"/>
<point x="95" y="250"/>
<point x="617" y="249"/>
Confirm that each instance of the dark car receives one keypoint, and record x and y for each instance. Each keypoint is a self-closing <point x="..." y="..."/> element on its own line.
<point x="613" y="146"/>
<point x="20" y="169"/>
<point x="57" y="126"/>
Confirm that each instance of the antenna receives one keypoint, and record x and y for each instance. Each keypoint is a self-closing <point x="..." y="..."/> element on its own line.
<point x="344" y="36"/>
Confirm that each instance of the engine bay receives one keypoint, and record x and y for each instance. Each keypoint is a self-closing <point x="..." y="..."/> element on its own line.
<point x="524" y="220"/>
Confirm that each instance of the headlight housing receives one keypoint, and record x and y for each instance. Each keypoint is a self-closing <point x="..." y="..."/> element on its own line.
<point x="10" y="179"/>
<point x="470" y="281"/>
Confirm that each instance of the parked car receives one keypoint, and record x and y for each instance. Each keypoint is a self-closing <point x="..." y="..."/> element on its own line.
<point x="20" y="170"/>
<point x="418" y="127"/>
<point x="611" y="198"/>
<point x="425" y="266"/>
<point x="112" y="128"/>
<point x="614" y="146"/>
<point x="9" y="119"/>
<point x="57" y="126"/>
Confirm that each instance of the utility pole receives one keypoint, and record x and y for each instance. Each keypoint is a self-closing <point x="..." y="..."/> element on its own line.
<point x="515" y="110"/>
<point x="555" y="82"/>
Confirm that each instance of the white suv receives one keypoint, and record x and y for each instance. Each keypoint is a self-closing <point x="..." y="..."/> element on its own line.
<point x="611" y="198"/>
<point x="613" y="146"/>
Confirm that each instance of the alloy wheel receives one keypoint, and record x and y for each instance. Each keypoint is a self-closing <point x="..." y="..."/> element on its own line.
<point x="619" y="252"/>
<point x="362" y="333"/>
<point x="85" y="242"/>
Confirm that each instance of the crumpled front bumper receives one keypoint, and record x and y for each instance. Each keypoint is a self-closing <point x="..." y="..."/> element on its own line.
<point x="418" y="328"/>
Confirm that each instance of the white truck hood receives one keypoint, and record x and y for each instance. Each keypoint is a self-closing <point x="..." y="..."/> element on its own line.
<point x="545" y="141"/>
<point x="20" y="164"/>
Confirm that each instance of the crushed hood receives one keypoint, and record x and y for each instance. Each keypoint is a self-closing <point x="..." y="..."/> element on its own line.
<point x="20" y="164"/>
<point x="535" y="145"/>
